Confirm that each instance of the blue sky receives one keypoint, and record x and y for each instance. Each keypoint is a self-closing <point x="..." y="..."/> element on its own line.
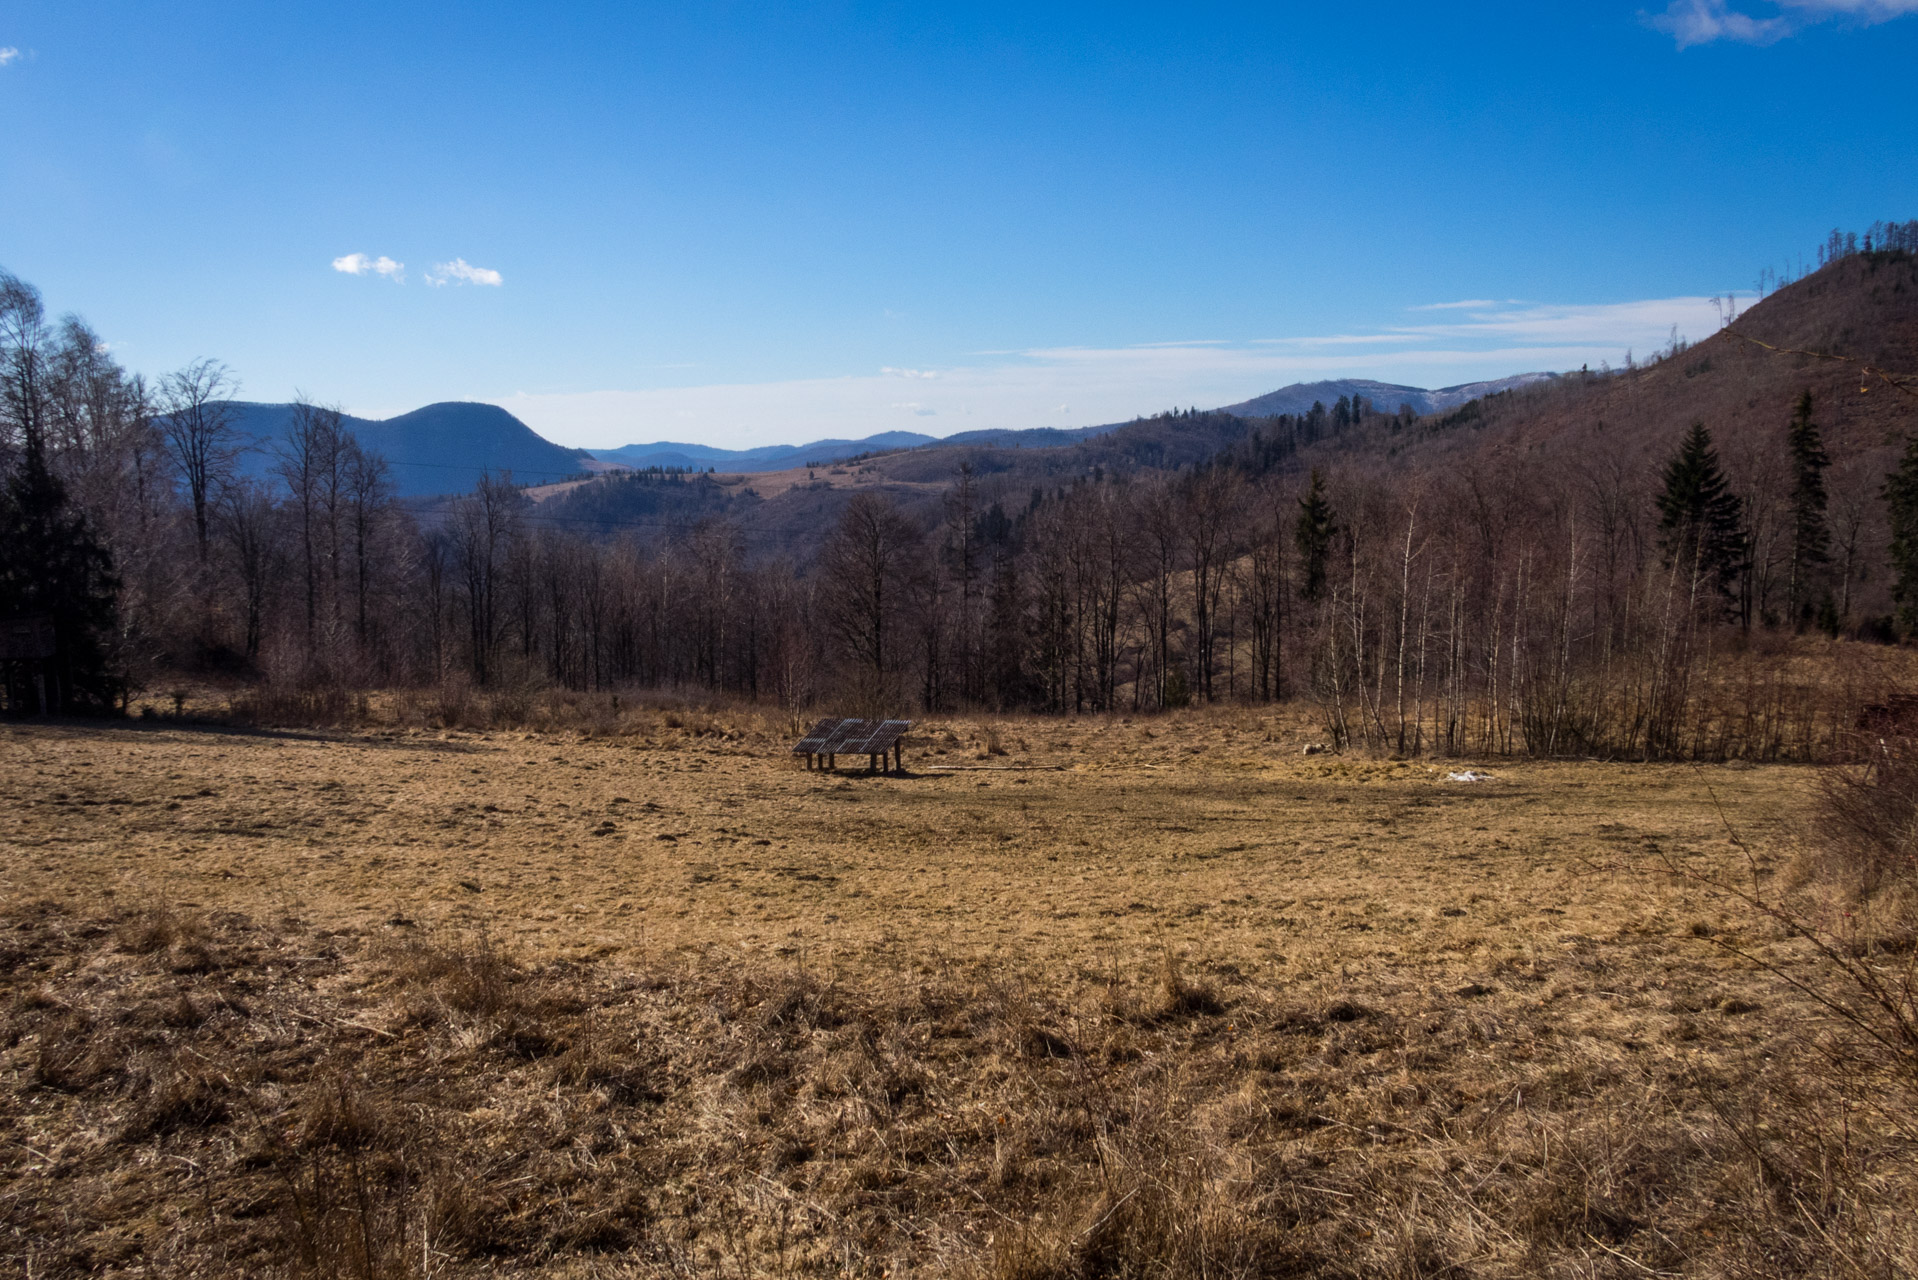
<point x="741" y="223"/>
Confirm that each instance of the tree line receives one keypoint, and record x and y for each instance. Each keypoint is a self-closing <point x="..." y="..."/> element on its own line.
<point x="1463" y="609"/>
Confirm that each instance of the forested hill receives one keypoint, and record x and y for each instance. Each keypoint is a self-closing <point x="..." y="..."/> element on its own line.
<point x="1387" y="397"/>
<point x="1589" y="562"/>
<point x="441" y="448"/>
<point x="1860" y="307"/>
<point x="678" y="455"/>
<point x="671" y="456"/>
<point x="1622" y="424"/>
<point x="1828" y="334"/>
<point x="1295" y="399"/>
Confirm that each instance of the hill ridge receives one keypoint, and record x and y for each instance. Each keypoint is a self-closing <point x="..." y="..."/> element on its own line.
<point x="443" y="447"/>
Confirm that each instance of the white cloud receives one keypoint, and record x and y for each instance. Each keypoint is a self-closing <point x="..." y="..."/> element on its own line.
<point x="460" y="271"/>
<point x="910" y="373"/>
<point x="1033" y="388"/>
<point x="9" y="54"/>
<point x="359" y="264"/>
<point x="1622" y="323"/>
<point x="1693" y="22"/>
<point x="1864" y="10"/>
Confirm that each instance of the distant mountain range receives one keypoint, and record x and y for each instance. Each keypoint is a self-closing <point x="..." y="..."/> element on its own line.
<point x="771" y="457"/>
<point x="1386" y="397"/>
<point x="1298" y="398"/>
<point x="445" y="447"/>
<point x="442" y="448"/>
<point x="783" y="457"/>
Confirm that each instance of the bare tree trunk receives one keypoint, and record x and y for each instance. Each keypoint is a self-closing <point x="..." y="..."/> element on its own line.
<point x="196" y="417"/>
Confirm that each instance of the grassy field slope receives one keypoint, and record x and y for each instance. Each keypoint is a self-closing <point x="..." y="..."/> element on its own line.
<point x="1077" y="998"/>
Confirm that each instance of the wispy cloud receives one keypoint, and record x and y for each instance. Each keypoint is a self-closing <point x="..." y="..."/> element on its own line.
<point x="1078" y="386"/>
<point x="9" y="55"/>
<point x="460" y="271"/>
<point x="1691" y="22"/>
<point x="1627" y="324"/>
<point x="1863" y="10"/>
<point x="1695" y="22"/>
<point x="360" y="264"/>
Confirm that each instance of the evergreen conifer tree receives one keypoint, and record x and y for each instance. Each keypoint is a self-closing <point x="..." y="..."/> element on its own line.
<point x="1811" y="533"/>
<point x="53" y="566"/>
<point x="1701" y="521"/>
<point x="1901" y="503"/>
<point x="1315" y="531"/>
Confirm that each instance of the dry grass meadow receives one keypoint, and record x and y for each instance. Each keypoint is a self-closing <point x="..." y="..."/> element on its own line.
<point x="1077" y="998"/>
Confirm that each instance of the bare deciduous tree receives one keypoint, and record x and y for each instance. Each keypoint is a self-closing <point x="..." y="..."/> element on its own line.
<point x="196" y="420"/>
<point x="311" y="464"/>
<point x="249" y="524"/>
<point x="484" y="526"/>
<point x="868" y="565"/>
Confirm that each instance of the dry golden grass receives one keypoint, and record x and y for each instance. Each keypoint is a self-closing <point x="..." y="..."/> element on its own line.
<point x="1147" y="998"/>
<point x="1089" y="843"/>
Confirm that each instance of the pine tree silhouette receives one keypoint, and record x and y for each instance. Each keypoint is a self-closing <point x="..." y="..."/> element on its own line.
<point x="53" y="566"/>
<point x="1901" y="506"/>
<point x="1811" y="534"/>
<point x="1701" y="521"/>
<point x="1316" y="529"/>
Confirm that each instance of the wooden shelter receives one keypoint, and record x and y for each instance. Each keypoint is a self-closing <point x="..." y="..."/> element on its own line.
<point x="838" y="736"/>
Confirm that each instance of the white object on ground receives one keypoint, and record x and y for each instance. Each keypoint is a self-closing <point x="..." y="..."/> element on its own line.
<point x="1468" y="775"/>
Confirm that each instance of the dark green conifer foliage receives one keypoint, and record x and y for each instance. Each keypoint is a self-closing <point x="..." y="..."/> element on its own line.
<point x="1811" y="533"/>
<point x="1316" y="529"/>
<point x="1700" y="520"/>
<point x="52" y="565"/>
<point x="1901" y="503"/>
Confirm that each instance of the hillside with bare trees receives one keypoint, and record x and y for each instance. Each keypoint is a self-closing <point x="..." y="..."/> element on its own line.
<point x="1521" y="573"/>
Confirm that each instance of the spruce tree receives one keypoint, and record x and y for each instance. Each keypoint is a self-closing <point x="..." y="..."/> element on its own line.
<point x="1811" y="534"/>
<point x="1701" y="521"/>
<point x="1315" y="531"/>
<point x="54" y="567"/>
<point x="1901" y="504"/>
<point x="51" y="565"/>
